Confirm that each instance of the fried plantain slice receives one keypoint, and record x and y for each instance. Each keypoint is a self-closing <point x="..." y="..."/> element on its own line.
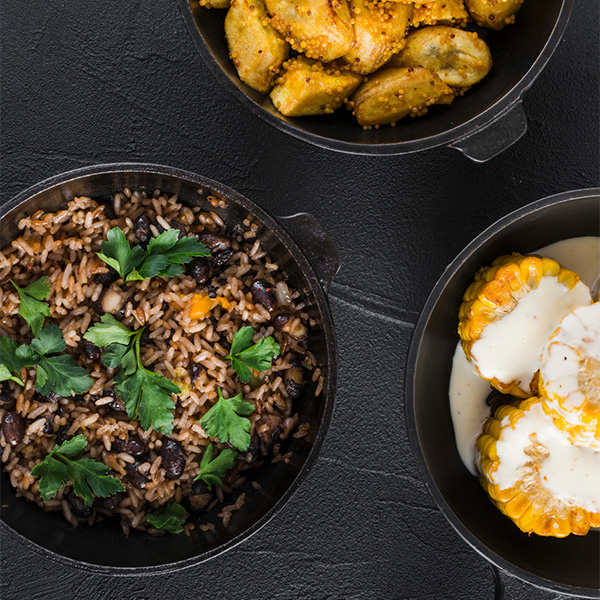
<point x="494" y="14"/>
<point x="321" y="29"/>
<point x="460" y="58"/>
<point x="255" y="47"/>
<point x="309" y="88"/>
<point x="392" y="94"/>
<point x="379" y="31"/>
<point x="441" y="12"/>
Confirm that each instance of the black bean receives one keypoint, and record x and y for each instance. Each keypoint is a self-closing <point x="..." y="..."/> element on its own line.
<point x="79" y="399"/>
<point x="294" y="380"/>
<point x="61" y="434"/>
<point x="141" y="229"/>
<point x="90" y="350"/>
<point x="135" y="446"/>
<point x="173" y="459"/>
<point x="199" y="269"/>
<point x="51" y="397"/>
<point x="201" y="496"/>
<point x="220" y="259"/>
<point x="7" y="401"/>
<point x="138" y="480"/>
<point x="196" y="370"/>
<point x="48" y="425"/>
<point x="182" y="230"/>
<point x="105" y="279"/>
<point x="117" y="404"/>
<point x="215" y="242"/>
<point x="110" y="503"/>
<point x="212" y="291"/>
<point x="264" y="293"/>
<point x="272" y="437"/>
<point x="78" y="507"/>
<point x="13" y="427"/>
<point x="280" y="321"/>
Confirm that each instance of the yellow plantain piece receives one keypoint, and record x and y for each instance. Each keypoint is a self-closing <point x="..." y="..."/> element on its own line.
<point x="309" y="88"/>
<point x="255" y="47"/>
<point x="321" y="29"/>
<point x="440" y="12"/>
<point x="494" y="14"/>
<point x="460" y="58"/>
<point x="215" y="3"/>
<point x="392" y="94"/>
<point x="569" y="380"/>
<point x="508" y="313"/>
<point x="379" y="32"/>
<point x="535" y="476"/>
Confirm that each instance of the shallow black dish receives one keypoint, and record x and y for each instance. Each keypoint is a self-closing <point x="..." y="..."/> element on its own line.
<point x="570" y="565"/>
<point x="104" y="547"/>
<point x="488" y="119"/>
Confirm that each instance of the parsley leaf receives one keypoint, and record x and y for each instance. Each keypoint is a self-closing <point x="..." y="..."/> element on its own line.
<point x="169" y="517"/>
<point x="117" y="253"/>
<point x="59" y="374"/>
<point x="224" y="422"/>
<point x="164" y="255"/>
<point x="213" y="469"/>
<point x="108" y="331"/>
<point x="13" y="359"/>
<point x="88" y="476"/>
<point x="146" y="395"/>
<point x="245" y="356"/>
<point x="31" y="307"/>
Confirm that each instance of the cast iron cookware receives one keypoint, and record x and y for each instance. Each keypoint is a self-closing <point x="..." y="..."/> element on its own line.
<point x="103" y="546"/>
<point x="569" y="565"/>
<point x="484" y="122"/>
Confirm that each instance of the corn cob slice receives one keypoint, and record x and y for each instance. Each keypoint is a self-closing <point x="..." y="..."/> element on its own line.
<point x="535" y="476"/>
<point x="509" y="312"/>
<point x="569" y="380"/>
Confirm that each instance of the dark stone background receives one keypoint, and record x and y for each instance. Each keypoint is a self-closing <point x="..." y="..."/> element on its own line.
<point x="88" y="82"/>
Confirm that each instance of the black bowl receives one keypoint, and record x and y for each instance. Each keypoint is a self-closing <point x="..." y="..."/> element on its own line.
<point x="569" y="565"/>
<point x="492" y="109"/>
<point x="104" y="547"/>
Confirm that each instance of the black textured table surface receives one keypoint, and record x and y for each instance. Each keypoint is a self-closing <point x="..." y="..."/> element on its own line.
<point x="90" y="82"/>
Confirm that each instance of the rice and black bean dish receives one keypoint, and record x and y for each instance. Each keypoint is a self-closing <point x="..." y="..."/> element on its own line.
<point x="149" y="357"/>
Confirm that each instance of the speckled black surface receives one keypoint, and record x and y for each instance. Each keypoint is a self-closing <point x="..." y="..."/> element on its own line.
<point x="89" y="82"/>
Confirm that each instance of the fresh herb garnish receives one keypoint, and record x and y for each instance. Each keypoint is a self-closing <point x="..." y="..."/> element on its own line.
<point x="245" y="356"/>
<point x="59" y="374"/>
<point x="224" y="422"/>
<point x="10" y="361"/>
<point x="31" y="307"/>
<point x="213" y="469"/>
<point x="146" y="395"/>
<point x="164" y="255"/>
<point x="169" y="517"/>
<point x="88" y="476"/>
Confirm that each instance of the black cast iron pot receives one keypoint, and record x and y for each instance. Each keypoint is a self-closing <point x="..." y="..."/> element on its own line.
<point x="570" y="565"/>
<point x="104" y="547"/>
<point x="487" y="120"/>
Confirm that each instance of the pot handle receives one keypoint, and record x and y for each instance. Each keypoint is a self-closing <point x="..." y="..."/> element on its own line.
<point x="506" y="129"/>
<point x="315" y="243"/>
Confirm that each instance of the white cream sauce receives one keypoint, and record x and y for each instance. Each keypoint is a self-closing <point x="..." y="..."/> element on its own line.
<point x="577" y="339"/>
<point x="509" y="349"/>
<point x="468" y="392"/>
<point x="569" y="473"/>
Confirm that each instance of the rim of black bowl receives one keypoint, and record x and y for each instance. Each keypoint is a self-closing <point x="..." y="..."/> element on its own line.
<point x="273" y="225"/>
<point x="462" y="131"/>
<point x="409" y="394"/>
